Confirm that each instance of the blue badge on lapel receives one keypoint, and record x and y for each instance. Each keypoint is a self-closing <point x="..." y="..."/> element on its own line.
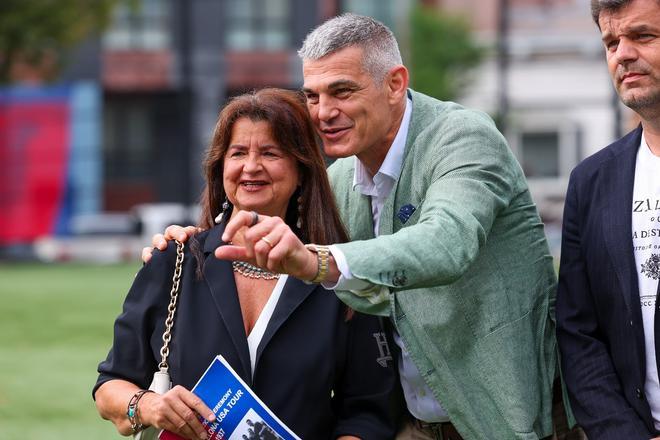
<point x="405" y="212"/>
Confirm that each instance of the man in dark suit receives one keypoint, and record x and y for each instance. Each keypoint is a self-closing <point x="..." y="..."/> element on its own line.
<point x="607" y="330"/>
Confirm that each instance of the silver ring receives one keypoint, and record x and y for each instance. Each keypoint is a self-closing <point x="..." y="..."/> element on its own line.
<point x="268" y="242"/>
<point x="255" y="218"/>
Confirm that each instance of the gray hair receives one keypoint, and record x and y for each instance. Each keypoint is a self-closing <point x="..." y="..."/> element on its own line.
<point x="598" y="6"/>
<point x="379" y="47"/>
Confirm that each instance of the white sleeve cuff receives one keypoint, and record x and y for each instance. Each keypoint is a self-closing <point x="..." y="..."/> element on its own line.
<point x="346" y="279"/>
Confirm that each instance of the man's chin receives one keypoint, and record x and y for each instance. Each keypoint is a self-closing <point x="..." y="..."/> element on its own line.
<point x="337" y="151"/>
<point x="641" y="101"/>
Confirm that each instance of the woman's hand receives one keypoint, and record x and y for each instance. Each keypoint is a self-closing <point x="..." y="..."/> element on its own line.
<point x="269" y="243"/>
<point x="175" y="411"/>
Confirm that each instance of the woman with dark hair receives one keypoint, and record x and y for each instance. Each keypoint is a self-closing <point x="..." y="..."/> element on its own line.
<point x="318" y="366"/>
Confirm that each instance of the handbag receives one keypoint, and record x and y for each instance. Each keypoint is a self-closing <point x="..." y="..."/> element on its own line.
<point x="161" y="382"/>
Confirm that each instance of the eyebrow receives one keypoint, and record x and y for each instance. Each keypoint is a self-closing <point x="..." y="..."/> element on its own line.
<point x="260" y="147"/>
<point x="336" y="85"/>
<point x="637" y="29"/>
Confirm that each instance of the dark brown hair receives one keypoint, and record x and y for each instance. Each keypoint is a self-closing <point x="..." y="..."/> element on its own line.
<point x="598" y="6"/>
<point x="286" y="113"/>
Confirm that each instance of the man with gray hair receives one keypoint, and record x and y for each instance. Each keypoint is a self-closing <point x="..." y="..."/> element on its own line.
<point x="446" y="241"/>
<point x="608" y="325"/>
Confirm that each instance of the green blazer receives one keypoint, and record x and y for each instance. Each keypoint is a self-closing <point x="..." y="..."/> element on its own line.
<point x="467" y="278"/>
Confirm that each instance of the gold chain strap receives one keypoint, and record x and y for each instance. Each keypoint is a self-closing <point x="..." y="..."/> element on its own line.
<point x="171" y="309"/>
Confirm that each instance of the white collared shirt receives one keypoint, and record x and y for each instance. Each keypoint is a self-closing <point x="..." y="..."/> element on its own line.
<point x="419" y="398"/>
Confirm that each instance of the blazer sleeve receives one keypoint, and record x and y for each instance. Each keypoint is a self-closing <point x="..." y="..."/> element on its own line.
<point x="367" y="395"/>
<point x="468" y="176"/>
<point x="595" y="391"/>
<point x="140" y="325"/>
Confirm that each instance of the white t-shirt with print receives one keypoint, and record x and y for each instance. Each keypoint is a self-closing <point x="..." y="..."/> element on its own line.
<point x="646" y="245"/>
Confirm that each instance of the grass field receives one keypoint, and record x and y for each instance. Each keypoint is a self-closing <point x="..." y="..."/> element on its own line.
<point x="55" y="327"/>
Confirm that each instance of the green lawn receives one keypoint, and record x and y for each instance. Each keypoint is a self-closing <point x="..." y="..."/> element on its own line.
<point x="55" y="327"/>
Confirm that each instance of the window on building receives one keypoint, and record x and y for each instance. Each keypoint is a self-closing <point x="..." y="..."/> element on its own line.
<point x="145" y="26"/>
<point x="258" y="25"/>
<point x="540" y="154"/>
<point x="128" y="140"/>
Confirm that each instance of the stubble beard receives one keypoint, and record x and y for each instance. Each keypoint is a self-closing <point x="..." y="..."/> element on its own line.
<point x="647" y="105"/>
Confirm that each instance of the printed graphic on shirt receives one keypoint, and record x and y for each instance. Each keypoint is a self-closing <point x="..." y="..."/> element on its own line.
<point x="646" y="205"/>
<point x="645" y="213"/>
<point x="651" y="267"/>
<point x="383" y="348"/>
<point x="647" y="301"/>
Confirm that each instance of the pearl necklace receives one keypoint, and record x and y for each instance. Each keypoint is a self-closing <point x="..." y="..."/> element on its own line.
<point x="251" y="271"/>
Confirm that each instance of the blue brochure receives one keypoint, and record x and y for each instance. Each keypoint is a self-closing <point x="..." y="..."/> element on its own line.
<point x="240" y="414"/>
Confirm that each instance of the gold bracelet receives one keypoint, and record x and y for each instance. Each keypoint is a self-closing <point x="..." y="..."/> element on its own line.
<point x="323" y="260"/>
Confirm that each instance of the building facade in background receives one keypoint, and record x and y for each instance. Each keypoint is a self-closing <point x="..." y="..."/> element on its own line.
<point x="145" y="96"/>
<point x="162" y="72"/>
<point x="546" y="82"/>
<point x="168" y="67"/>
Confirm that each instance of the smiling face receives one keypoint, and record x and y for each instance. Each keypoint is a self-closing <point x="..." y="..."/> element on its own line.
<point x="352" y="113"/>
<point x="258" y="175"/>
<point x="631" y="36"/>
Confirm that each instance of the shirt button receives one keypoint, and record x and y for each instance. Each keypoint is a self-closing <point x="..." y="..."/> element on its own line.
<point x="639" y="393"/>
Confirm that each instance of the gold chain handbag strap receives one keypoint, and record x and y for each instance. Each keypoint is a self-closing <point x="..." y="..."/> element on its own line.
<point x="171" y="309"/>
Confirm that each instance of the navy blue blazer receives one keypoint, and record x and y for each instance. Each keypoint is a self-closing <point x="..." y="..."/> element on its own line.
<point x="599" y="319"/>
<point x="322" y="375"/>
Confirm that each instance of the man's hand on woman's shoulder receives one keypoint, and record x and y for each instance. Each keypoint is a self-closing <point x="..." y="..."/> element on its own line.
<point x="172" y="232"/>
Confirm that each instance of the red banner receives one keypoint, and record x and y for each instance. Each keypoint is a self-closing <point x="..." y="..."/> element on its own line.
<point x="34" y="148"/>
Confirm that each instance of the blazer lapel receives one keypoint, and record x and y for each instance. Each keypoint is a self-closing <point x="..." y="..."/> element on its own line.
<point x="617" y="226"/>
<point x="293" y="294"/>
<point x="361" y="222"/>
<point x="219" y="277"/>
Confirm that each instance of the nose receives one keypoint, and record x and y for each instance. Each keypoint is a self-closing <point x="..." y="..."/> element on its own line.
<point x="252" y="162"/>
<point x="626" y="51"/>
<point x="327" y="108"/>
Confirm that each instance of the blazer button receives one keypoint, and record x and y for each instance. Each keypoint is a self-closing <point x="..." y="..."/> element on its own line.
<point x="639" y="394"/>
<point x="399" y="280"/>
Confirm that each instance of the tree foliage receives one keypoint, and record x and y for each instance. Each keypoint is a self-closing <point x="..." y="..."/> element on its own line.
<point x="36" y="31"/>
<point x="442" y="52"/>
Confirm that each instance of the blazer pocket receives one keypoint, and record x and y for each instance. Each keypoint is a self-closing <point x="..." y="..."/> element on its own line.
<point x="487" y="309"/>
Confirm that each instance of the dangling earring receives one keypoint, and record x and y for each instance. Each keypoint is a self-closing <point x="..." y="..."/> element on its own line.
<point x="300" y="208"/>
<point x="225" y="208"/>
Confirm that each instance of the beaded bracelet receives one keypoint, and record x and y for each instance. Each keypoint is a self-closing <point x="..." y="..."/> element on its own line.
<point x="132" y="411"/>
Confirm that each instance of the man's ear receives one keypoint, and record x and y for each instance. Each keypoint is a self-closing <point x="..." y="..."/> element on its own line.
<point x="397" y="83"/>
